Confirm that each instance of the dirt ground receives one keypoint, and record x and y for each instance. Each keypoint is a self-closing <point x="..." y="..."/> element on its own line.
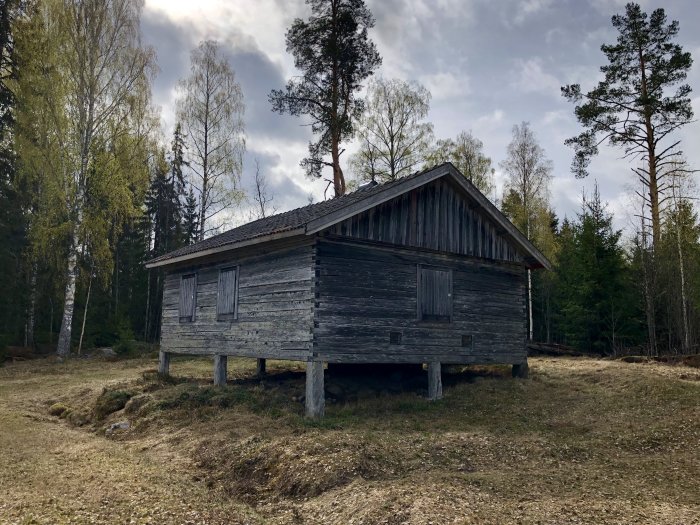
<point x="581" y="441"/>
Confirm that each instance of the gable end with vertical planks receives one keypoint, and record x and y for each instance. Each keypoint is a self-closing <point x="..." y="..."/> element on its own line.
<point x="438" y="216"/>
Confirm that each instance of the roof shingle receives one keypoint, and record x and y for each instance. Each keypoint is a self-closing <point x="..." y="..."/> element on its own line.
<point x="282" y="222"/>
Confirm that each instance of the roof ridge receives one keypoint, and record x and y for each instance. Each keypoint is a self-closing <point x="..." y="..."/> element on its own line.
<point x="285" y="222"/>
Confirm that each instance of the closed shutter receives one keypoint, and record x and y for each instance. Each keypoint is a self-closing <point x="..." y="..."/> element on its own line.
<point x="188" y="297"/>
<point x="434" y="295"/>
<point x="226" y="295"/>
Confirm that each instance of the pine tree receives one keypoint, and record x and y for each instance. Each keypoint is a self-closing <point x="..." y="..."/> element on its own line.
<point x="633" y="107"/>
<point x="335" y="55"/>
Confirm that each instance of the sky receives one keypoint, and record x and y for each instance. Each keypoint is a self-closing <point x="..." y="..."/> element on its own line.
<point x="489" y="64"/>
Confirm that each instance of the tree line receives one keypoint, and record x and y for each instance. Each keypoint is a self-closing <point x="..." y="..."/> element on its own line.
<point x="89" y="189"/>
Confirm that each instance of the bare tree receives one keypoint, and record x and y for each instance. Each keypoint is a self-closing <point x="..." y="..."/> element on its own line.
<point x="262" y="197"/>
<point x="527" y="189"/>
<point x="210" y="106"/>
<point x="393" y="136"/>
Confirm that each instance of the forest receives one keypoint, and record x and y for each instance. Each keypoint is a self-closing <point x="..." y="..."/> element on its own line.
<point x="92" y="186"/>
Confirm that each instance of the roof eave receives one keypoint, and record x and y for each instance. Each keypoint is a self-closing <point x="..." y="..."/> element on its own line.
<point x="226" y="248"/>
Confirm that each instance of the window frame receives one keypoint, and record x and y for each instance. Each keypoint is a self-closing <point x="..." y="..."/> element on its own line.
<point x="228" y="316"/>
<point x="193" y="317"/>
<point x="419" y="297"/>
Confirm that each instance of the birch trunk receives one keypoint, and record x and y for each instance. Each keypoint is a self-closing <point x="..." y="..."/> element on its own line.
<point x="63" y="348"/>
<point x="681" y="267"/>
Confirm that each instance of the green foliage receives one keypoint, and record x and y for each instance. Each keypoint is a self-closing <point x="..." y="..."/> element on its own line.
<point x="335" y="55"/>
<point x="125" y="348"/>
<point x="3" y="349"/>
<point x="643" y="65"/>
<point x="466" y="152"/>
<point x="595" y="303"/>
<point x="680" y="244"/>
<point x="190" y="225"/>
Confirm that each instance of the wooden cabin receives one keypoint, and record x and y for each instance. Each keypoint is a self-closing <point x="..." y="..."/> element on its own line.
<point x="424" y="269"/>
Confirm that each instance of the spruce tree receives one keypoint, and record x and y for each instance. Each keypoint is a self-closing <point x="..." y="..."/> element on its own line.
<point x="593" y="289"/>
<point x="190" y="218"/>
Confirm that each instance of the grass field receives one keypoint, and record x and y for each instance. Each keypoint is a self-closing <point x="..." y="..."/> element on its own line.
<point x="582" y="441"/>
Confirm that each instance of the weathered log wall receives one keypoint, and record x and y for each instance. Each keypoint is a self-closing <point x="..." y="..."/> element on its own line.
<point x="274" y="312"/>
<point x="365" y="292"/>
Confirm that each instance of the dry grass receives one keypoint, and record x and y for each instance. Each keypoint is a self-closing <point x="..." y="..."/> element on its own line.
<point x="582" y="441"/>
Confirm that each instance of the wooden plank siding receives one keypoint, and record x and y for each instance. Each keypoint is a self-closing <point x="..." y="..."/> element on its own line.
<point x="274" y="306"/>
<point x="437" y="216"/>
<point x="364" y="292"/>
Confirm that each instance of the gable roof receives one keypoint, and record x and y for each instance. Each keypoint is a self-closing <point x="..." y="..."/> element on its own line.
<point x="310" y="219"/>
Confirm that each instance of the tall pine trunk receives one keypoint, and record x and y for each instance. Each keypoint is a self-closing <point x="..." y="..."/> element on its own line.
<point x="338" y="178"/>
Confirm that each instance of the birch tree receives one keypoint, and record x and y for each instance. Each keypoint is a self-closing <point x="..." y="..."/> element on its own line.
<point x="466" y="152"/>
<point x="527" y="192"/>
<point x="85" y="125"/>
<point x="210" y="107"/>
<point x="393" y="135"/>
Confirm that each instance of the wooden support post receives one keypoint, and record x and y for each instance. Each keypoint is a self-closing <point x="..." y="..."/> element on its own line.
<point x="434" y="381"/>
<point x="315" y="394"/>
<point x="220" y="362"/>
<point x="164" y="363"/>
<point x="262" y="365"/>
<point x="521" y="370"/>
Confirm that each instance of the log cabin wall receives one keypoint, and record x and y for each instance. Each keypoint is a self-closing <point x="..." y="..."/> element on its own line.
<point x="436" y="216"/>
<point x="274" y="311"/>
<point x="368" y="308"/>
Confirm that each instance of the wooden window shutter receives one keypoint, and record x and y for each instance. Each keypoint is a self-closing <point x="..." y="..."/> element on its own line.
<point x="188" y="297"/>
<point x="227" y="294"/>
<point x="434" y="295"/>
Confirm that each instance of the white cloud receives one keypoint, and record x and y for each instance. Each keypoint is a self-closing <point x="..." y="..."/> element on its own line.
<point x="445" y="85"/>
<point x="531" y="77"/>
<point x="528" y="8"/>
